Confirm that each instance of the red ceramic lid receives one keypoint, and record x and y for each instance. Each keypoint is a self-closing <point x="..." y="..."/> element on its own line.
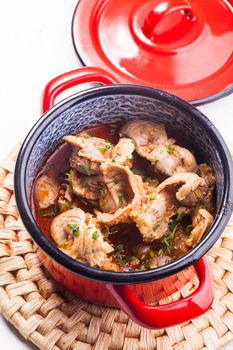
<point x="181" y="46"/>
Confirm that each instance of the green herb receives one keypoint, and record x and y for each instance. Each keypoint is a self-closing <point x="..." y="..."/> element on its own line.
<point x="170" y="150"/>
<point x="48" y="212"/>
<point x="142" y="267"/>
<point x="160" y="252"/>
<point x="152" y="196"/>
<point x="64" y="244"/>
<point x="152" y="254"/>
<point x="180" y="215"/>
<point x="134" y="142"/>
<point x="155" y="227"/>
<point x="102" y="202"/>
<point x="69" y="175"/>
<point x="167" y="240"/>
<point x="95" y="235"/>
<point x="84" y="168"/>
<point x="103" y="191"/>
<point x="188" y="229"/>
<point x="131" y="258"/>
<point x="116" y="180"/>
<point x="88" y="135"/>
<point x="106" y="147"/>
<point x="121" y="261"/>
<point x="137" y="172"/>
<point x="75" y="229"/>
<point x="207" y="206"/>
<point x="130" y="157"/>
<point x="121" y="199"/>
<point x="154" y="161"/>
<point x="65" y="206"/>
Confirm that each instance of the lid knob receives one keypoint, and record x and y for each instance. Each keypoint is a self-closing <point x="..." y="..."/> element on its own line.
<point x="168" y="21"/>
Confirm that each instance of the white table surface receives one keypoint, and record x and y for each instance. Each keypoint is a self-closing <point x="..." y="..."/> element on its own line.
<point x="36" y="45"/>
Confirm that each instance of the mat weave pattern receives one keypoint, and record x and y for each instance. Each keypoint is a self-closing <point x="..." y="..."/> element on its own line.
<point x="51" y="318"/>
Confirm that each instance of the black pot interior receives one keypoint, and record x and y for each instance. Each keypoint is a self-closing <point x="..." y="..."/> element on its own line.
<point x="118" y="103"/>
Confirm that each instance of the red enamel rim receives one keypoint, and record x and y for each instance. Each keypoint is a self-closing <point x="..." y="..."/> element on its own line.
<point x="178" y="46"/>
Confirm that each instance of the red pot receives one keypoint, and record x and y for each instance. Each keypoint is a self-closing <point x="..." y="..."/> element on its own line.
<point x="136" y="293"/>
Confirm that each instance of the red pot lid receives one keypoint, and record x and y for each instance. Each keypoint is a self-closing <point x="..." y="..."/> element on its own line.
<point x="182" y="46"/>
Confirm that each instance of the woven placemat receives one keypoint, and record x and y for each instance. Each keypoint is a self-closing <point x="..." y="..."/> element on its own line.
<point x="52" y="318"/>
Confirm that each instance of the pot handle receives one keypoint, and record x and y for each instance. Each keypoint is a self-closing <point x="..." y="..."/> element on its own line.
<point x="173" y="313"/>
<point x="71" y="79"/>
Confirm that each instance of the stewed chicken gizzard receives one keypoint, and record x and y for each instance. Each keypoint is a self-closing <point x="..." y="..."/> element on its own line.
<point x="124" y="198"/>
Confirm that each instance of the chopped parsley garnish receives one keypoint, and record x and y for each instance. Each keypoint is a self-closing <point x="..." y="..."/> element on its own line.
<point x="130" y="157"/>
<point x="134" y="142"/>
<point x="106" y="147"/>
<point x="152" y="196"/>
<point x="188" y="229"/>
<point x="65" y="206"/>
<point x="121" y="261"/>
<point x="88" y="135"/>
<point x="102" y="202"/>
<point x="155" y="227"/>
<point x="103" y="191"/>
<point x="95" y="235"/>
<point x="154" y="161"/>
<point x="170" y="150"/>
<point x="173" y="225"/>
<point x="121" y="199"/>
<point x="120" y="255"/>
<point x="69" y="178"/>
<point x="49" y="211"/>
<point x="75" y="229"/>
<point x="168" y="239"/>
<point x="179" y="215"/>
<point x="84" y="168"/>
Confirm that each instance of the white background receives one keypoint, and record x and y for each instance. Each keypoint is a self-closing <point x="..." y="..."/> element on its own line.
<point x="36" y="45"/>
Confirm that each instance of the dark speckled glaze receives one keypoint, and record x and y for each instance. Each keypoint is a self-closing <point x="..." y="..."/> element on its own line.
<point x="124" y="102"/>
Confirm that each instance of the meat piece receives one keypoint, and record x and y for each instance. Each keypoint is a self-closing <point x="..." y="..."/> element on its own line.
<point x="124" y="191"/>
<point x="149" y="187"/>
<point x="191" y="188"/>
<point x="88" y="187"/>
<point x="173" y="159"/>
<point x="146" y="135"/>
<point x="89" y="152"/>
<point x="206" y="173"/>
<point x="93" y="148"/>
<point x="79" y="235"/>
<point x="153" y="144"/>
<point x="46" y="191"/>
<point x="122" y="152"/>
<point x="84" y="166"/>
<point x="152" y="218"/>
<point x="201" y="222"/>
<point x="65" y="197"/>
<point x="61" y="234"/>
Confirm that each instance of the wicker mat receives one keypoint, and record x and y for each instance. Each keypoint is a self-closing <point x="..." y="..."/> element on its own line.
<point x="51" y="318"/>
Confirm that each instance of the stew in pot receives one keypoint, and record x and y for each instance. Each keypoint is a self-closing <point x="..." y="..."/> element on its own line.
<point x="123" y="197"/>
